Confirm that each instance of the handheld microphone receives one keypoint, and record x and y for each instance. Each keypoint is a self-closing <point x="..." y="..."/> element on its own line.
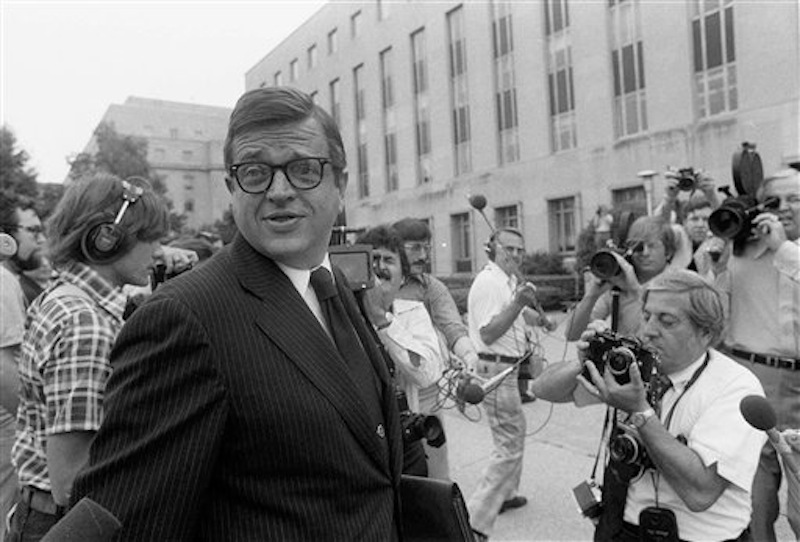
<point x="87" y="521"/>
<point x="758" y="413"/>
<point x="475" y="393"/>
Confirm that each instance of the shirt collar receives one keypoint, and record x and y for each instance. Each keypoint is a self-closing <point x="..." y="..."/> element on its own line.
<point x="301" y="277"/>
<point x="102" y="292"/>
<point x="681" y="377"/>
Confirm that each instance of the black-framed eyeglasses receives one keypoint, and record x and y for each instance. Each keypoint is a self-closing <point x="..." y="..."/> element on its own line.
<point x="302" y="174"/>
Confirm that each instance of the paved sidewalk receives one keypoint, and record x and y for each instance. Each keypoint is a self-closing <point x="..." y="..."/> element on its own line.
<point x="559" y="453"/>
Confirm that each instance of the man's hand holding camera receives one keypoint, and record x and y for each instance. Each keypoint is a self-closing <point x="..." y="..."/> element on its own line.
<point x="629" y="397"/>
<point x="625" y="279"/>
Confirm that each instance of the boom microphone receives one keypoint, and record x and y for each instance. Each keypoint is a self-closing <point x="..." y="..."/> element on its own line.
<point x="87" y="521"/>
<point x="758" y="413"/>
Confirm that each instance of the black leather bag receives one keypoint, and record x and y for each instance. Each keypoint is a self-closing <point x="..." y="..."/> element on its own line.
<point x="433" y="510"/>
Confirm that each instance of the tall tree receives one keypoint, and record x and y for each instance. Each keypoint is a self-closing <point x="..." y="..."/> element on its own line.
<point x="15" y="174"/>
<point x="124" y="156"/>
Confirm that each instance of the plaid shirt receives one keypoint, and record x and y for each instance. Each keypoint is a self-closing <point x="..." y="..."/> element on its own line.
<point x="64" y="366"/>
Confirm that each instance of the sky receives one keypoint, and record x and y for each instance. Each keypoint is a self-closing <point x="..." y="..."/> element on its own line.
<point x="63" y="63"/>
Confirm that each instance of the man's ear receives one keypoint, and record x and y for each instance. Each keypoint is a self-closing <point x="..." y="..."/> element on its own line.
<point x="229" y="183"/>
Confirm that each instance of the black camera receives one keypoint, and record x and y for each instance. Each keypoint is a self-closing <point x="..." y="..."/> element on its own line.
<point x="624" y="446"/>
<point x="417" y="426"/>
<point x="687" y="178"/>
<point x="158" y="275"/>
<point x="734" y="218"/>
<point x="618" y="353"/>
<point x="603" y="263"/>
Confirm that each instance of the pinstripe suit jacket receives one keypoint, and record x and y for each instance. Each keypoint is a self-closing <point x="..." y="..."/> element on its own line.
<point x="229" y="416"/>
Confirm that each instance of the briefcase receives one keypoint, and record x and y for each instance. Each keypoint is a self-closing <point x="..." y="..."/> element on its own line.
<point x="433" y="510"/>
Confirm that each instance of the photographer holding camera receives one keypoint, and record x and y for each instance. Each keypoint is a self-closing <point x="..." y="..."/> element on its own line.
<point x="761" y="279"/>
<point x="407" y="333"/>
<point x="695" y="183"/>
<point x="649" y="249"/>
<point x="703" y="453"/>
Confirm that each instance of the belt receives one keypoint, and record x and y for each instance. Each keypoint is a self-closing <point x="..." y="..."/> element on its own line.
<point x="779" y="362"/>
<point x="40" y="500"/>
<point x="497" y="358"/>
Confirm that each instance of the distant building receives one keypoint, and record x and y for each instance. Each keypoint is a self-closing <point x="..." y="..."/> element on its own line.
<point x="184" y="147"/>
<point x="548" y="108"/>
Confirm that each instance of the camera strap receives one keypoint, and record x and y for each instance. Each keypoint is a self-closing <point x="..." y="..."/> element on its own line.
<point x="654" y="473"/>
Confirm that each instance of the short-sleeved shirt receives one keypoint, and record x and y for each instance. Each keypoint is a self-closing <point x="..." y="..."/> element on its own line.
<point x="708" y="417"/>
<point x="64" y="365"/>
<point x="12" y="320"/>
<point x="491" y="291"/>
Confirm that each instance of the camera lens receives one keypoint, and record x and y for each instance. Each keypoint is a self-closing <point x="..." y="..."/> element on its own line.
<point x="624" y="449"/>
<point x="619" y="359"/>
<point x="726" y="222"/>
<point x="686" y="183"/>
<point x="604" y="265"/>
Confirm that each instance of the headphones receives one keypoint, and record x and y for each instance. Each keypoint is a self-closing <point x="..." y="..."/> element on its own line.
<point x="8" y="246"/>
<point x="490" y="248"/>
<point x="102" y="241"/>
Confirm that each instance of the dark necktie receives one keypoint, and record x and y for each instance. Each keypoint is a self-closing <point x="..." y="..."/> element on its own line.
<point x="661" y="384"/>
<point x="344" y="335"/>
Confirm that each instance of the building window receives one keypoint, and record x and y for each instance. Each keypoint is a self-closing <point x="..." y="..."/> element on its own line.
<point x="355" y="24"/>
<point x="507" y="217"/>
<point x="562" y="225"/>
<point x="187" y="156"/>
<point x="459" y="91"/>
<point x="173" y="133"/>
<point x="278" y="79"/>
<point x="632" y="199"/>
<point x="361" y="131"/>
<point x="389" y="121"/>
<point x="294" y="71"/>
<point x="461" y="233"/>
<point x="563" y="127"/>
<point x="505" y="83"/>
<point x="333" y="41"/>
<point x="422" y="130"/>
<point x="335" y="101"/>
<point x="188" y="206"/>
<point x="312" y="56"/>
<point x="627" y="64"/>
<point x="714" y="57"/>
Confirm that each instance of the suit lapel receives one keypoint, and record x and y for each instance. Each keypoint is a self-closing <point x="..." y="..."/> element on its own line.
<point x="290" y="324"/>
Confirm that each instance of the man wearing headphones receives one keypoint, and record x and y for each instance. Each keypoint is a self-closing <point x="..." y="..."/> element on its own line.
<point x="499" y="306"/>
<point x="103" y="234"/>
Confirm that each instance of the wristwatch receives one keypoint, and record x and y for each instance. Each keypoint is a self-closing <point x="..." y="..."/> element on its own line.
<point x="638" y="419"/>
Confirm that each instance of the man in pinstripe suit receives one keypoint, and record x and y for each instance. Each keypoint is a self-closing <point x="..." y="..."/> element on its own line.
<point x="230" y="414"/>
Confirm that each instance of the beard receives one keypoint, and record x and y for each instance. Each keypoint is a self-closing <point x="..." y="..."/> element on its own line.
<point x="33" y="261"/>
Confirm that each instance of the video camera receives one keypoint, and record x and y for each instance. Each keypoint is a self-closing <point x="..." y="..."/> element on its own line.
<point x="605" y="266"/>
<point x="734" y="218"/>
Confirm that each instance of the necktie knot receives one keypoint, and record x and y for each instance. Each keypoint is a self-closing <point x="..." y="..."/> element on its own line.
<point x="323" y="285"/>
<point x="663" y="384"/>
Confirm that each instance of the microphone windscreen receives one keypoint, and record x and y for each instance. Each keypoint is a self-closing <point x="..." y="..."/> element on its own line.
<point x="471" y="393"/>
<point x="477" y="201"/>
<point x="758" y="412"/>
<point x="87" y="521"/>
